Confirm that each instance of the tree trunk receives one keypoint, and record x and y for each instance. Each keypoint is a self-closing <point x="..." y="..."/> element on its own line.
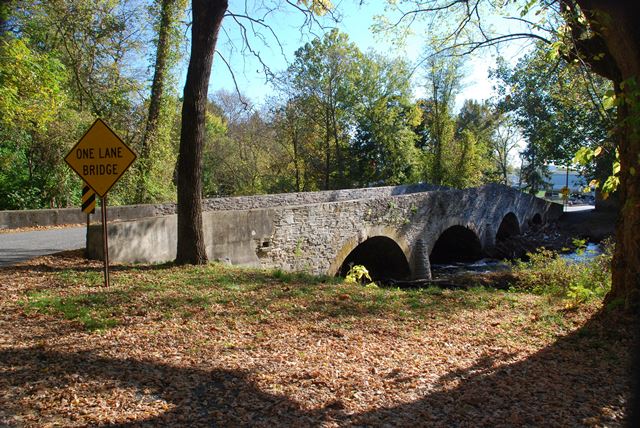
<point x="621" y="36"/>
<point x="296" y="161"/>
<point x="207" y="19"/>
<point x="625" y="287"/>
<point x="168" y="10"/>
<point x="340" y="164"/>
<point x="327" y="148"/>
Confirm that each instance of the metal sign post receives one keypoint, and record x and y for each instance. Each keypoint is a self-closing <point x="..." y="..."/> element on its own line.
<point x="105" y="243"/>
<point x="100" y="158"/>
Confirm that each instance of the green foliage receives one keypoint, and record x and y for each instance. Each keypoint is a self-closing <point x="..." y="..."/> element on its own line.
<point x="31" y="86"/>
<point x="38" y="127"/>
<point x="456" y="151"/>
<point x="384" y="146"/>
<point x="322" y="77"/>
<point x="557" y="106"/>
<point x="348" y="119"/>
<point x="64" y="64"/>
<point x="91" y="310"/>
<point x="471" y="161"/>
<point x="159" y="140"/>
<point x="586" y="156"/>
<point x="241" y="154"/>
<point x="548" y="273"/>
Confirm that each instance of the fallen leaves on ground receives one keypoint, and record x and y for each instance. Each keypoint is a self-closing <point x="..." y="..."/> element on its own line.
<point x="216" y="345"/>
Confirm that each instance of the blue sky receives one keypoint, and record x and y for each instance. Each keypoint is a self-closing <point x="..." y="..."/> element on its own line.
<point x="355" y="21"/>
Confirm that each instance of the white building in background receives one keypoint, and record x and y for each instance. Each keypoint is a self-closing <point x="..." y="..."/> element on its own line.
<point x="558" y="179"/>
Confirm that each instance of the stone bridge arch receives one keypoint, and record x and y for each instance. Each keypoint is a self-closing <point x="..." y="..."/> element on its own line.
<point x="381" y="250"/>
<point x="450" y="237"/>
<point x="456" y="244"/>
<point x="456" y="241"/>
<point x="536" y="219"/>
<point x="508" y="227"/>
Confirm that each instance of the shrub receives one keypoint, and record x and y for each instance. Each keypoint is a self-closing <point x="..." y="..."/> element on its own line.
<point x="577" y="281"/>
<point x="358" y="274"/>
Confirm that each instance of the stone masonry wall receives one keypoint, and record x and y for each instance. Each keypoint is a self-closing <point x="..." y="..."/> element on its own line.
<point x="13" y="219"/>
<point x="318" y="237"/>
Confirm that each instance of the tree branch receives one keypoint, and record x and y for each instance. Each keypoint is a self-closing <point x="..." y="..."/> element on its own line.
<point x="235" y="82"/>
<point x="588" y="45"/>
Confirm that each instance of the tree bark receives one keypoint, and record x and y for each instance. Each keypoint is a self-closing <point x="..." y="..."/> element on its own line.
<point x="327" y="148"/>
<point x="296" y="154"/>
<point x="616" y="25"/>
<point x="207" y="20"/>
<point x="168" y="11"/>
<point x="625" y="288"/>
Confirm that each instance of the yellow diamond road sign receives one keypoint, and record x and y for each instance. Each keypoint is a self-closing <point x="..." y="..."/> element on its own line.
<point x="100" y="157"/>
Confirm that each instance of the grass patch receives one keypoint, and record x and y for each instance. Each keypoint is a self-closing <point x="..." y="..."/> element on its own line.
<point x="221" y="292"/>
<point x="94" y="311"/>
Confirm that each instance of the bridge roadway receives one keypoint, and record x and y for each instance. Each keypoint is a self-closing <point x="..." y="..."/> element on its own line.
<point x="20" y="246"/>
<point x="395" y="231"/>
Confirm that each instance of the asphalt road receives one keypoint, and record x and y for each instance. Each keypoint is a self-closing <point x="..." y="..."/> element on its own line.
<point x="574" y="208"/>
<point x="17" y="247"/>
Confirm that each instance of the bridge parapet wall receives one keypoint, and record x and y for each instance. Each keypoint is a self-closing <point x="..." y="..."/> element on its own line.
<point x="12" y="219"/>
<point x="317" y="237"/>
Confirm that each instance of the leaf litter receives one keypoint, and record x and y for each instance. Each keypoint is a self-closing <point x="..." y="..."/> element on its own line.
<point x="217" y="345"/>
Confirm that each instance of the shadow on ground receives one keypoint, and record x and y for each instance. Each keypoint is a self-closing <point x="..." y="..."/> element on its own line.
<point x="582" y="379"/>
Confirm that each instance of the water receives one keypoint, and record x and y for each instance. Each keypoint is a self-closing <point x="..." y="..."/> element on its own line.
<point x="591" y="251"/>
<point x="481" y="266"/>
<point x="442" y="271"/>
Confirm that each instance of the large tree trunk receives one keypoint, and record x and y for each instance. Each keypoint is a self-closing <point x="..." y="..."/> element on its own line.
<point x="207" y="19"/>
<point x="623" y="41"/>
<point x="168" y="11"/>
<point x="626" y="258"/>
<point x="619" y="34"/>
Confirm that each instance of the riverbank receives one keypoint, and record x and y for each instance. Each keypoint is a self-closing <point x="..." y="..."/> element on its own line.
<point x="574" y="227"/>
<point x="592" y="225"/>
<point x="587" y="225"/>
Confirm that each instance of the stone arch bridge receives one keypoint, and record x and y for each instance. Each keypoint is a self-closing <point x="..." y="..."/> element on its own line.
<point x="395" y="231"/>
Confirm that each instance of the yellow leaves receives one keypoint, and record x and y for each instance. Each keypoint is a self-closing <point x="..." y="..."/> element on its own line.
<point x="318" y="7"/>
<point x="31" y="92"/>
<point x="414" y="116"/>
<point x="585" y="155"/>
<point x="609" y="100"/>
<point x="554" y="50"/>
<point x="357" y="274"/>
